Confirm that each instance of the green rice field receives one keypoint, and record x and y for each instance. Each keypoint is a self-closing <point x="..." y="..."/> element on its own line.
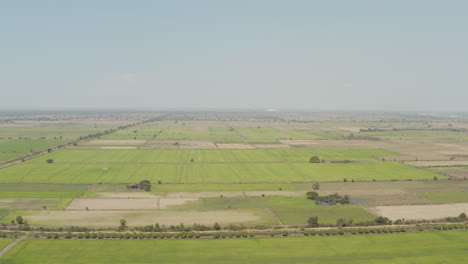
<point x="214" y="155"/>
<point x="210" y="173"/>
<point x="10" y="149"/>
<point x="438" y="247"/>
<point x="326" y="215"/>
<point x="447" y="197"/>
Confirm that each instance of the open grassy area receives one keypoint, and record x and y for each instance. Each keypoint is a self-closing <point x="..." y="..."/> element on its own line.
<point x="210" y="173"/>
<point x="10" y="149"/>
<point x="326" y="214"/>
<point x="213" y="155"/>
<point x="450" y="247"/>
<point x="447" y="197"/>
<point x="256" y="202"/>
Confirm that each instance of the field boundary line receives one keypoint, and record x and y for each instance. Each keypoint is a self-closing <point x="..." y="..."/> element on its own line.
<point x="10" y="246"/>
<point x="6" y="213"/>
<point x="274" y="216"/>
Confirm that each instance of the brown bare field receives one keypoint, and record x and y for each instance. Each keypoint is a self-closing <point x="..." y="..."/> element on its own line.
<point x="443" y="163"/>
<point x="138" y="218"/>
<point x="204" y="194"/>
<point x="235" y="146"/>
<point x="115" y="142"/>
<point x="121" y="147"/>
<point x="127" y="204"/>
<point x="352" y="129"/>
<point x="124" y="195"/>
<point x="417" y="212"/>
<point x="390" y="193"/>
<point x="457" y="174"/>
<point x="431" y="150"/>
<point x="275" y="146"/>
<point x="179" y="144"/>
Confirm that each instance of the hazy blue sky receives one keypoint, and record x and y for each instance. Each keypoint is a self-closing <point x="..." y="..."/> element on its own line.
<point x="357" y="55"/>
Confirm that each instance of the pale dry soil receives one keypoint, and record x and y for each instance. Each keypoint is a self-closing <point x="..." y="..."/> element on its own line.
<point x="120" y="147"/>
<point x="414" y="150"/>
<point x="418" y="212"/>
<point x="128" y="204"/>
<point x="235" y="146"/>
<point x="135" y="218"/>
<point x="125" y="195"/>
<point x="179" y="144"/>
<point x="115" y="142"/>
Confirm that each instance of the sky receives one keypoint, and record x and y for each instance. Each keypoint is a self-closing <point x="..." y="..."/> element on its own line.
<point x="243" y="54"/>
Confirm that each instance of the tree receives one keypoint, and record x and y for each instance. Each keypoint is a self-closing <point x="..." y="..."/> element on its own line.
<point x="312" y="195"/>
<point x="341" y="222"/>
<point x="462" y="216"/>
<point x="383" y="220"/>
<point x="316" y="186"/>
<point x="123" y="224"/>
<point x="313" y="221"/>
<point x="216" y="226"/>
<point x="19" y="220"/>
<point x="50" y="161"/>
<point x="145" y="185"/>
<point x="314" y="159"/>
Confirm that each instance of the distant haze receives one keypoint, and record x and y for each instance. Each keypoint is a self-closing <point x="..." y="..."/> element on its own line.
<point x="245" y="54"/>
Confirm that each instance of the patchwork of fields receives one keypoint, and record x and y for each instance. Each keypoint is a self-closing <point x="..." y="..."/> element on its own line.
<point x="238" y="174"/>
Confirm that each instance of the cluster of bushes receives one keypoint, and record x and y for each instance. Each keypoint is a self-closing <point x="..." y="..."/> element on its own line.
<point x="328" y="199"/>
<point x="195" y="227"/>
<point x="353" y="231"/>
<point x="126" y="235"/>
<point x="451" y="226"/>
<point x="143" y="185"/>
<point x="4" y="234"/>
<point x="241" y="234"/>
<point x="461" y="218"/>
<point x="378" y="230"/>
<point x="327" y="232"/>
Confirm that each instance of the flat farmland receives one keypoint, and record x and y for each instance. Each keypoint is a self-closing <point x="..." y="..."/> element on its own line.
<point x="110" y="219"/>
<point x="221" y="187"/>
<point x="218" y="134"/>
<point x="256" y="202"/>
<point x="447" y="197"/>
<point x="417" y="212"/>
<point x="63" y="132"/>
<point x="401" y="248"/>
<point x="325" y="214"/>
<point x="213" y="155"/>
<point x="210" y="173"/>
<point x="13" y="148"/>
